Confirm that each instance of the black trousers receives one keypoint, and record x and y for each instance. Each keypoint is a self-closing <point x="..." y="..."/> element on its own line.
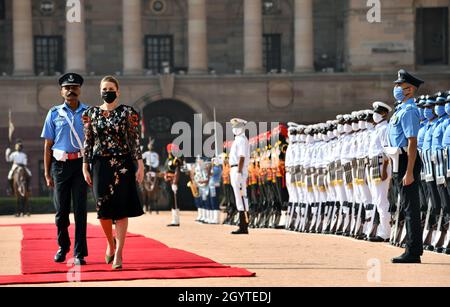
<point x="410" y="202"/>
<point x="70" y="186"/>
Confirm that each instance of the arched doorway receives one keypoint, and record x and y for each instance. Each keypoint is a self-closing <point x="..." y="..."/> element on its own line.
<point x="159" y="117"/>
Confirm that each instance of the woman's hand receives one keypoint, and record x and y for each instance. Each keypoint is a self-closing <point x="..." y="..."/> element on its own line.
<point x="140" y="172"/>
<point x="87" y="174"/>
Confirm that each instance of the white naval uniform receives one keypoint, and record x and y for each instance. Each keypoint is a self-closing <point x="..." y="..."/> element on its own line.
<point x="380" y="190"/>
<point x="17" y="158"/>
<point x="362" y="152"/>
<point x="347" y="154"/>
<point x="151" y="159"/>
<point x="240" y="148"/>
<point x="339" y="188"/>
<point x="289" y="162"/>
<point x="329" y="158"/>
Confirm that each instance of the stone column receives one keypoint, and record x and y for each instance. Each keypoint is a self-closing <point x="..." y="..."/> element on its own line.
<point x="198" y="41"/>
<point x="76" y="44"/>
<point x="304" y="36"/>
<point x="253" y="37"/>
<point x="132" y="38"/>
<point x="23" y="38"/>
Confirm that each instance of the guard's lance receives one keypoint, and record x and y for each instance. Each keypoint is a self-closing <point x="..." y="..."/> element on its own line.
<point x="215" y="135"/>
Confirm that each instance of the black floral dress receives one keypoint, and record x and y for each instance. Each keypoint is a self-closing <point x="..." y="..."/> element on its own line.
<point x="112" y="145"/>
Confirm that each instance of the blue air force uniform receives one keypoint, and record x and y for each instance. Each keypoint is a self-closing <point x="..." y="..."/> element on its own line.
<point x="66" y="171"/>
<point x="405" y="124"/>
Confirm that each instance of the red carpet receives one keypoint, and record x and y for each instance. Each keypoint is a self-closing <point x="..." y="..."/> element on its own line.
<point x="144" y="258"/>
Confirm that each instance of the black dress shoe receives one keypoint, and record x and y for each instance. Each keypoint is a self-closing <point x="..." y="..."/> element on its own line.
<point x="60" y="256"/>
<point x="405" y="258"/>
<point x="376" y="239"/>
<point x="79" y="261"/>
<point x="240" y="232"/>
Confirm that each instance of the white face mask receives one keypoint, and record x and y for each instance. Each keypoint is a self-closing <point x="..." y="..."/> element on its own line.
<point x="330" y="135"/>
<point x="347" y="128"/>
<point x="325" y="138"/>
<point x="370" y="126"/>
<point x="355" y="126"/>
<point x="340" y="128"/>
<point x="238" y="131"/>
<point x="302" y="138"/>
<point x="362" y="125"/>
<point x="377" y="118"/>
<point x="309" y="139"/>
<point x="336" y="133"/>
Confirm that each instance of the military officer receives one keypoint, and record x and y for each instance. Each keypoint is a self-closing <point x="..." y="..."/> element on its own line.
<point x="150" y="157"/>
<point x="379" y="174"/>
<point x="172" y="168"/>
<point x="403" y="131"/>
<point x="239" y="160"/>
<point x="290" y="171"/>
<point x="438" y="157"/>
<point x="17" y="158"/>
<point x="429" y="163"/>
<point x="64" y="137"/>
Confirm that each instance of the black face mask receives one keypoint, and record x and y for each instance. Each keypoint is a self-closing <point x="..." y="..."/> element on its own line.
<point x="109" y="97"/>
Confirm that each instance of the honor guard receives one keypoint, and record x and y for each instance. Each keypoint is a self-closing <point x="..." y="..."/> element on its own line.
<point x="228" y="194"/>
<point x="423" y="192"/>
<point x="379" y="174"/>
<point x="239" y="159"/>
<point x="279" y="139"/>
<point x="290" y="171"/>
<point x="172" y="168"/>
<point x="402" y="135"/>
<point x="438" y="155"/>
<point x="446" y="144"/>
<point x="429" y="166"/>
<point x="18" y="159"/>
<point x="151" y="158"/>
<point x="64" y="137"/>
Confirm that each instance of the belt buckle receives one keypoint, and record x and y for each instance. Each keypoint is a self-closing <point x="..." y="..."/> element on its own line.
<point x="72" y="156"/>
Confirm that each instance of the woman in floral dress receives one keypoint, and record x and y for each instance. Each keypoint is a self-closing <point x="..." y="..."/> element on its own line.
<point x="112" y="165"/>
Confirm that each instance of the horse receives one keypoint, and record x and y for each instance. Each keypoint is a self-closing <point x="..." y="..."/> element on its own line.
<point x="21" y="191"/>
<point x="151" y="190"/>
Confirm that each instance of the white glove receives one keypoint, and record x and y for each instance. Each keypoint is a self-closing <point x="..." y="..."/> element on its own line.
<point x="8" y="151"/>
<point x="174" y="188"/>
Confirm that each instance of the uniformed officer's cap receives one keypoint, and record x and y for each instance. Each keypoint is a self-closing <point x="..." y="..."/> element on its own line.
<point x="440" y="98"/>
<point x="421" y="101"/>
<point x="405" y="77"/>
<point x="71" y="79"/>
<point x="292" y="128"/>
<point x="347" y="118"/>
<point x="430" y="101"/>
<point x="362" y="115"/>
<point x="448" y="97"/>
<point x="379" y="106"/>
<point x="238" y="123"/>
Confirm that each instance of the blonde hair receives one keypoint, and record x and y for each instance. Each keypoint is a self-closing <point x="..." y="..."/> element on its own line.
<point x="111" y="79"/>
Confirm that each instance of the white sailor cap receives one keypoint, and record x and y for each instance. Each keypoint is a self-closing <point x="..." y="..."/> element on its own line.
<point x="379" y="106"/>
<point x="238" y="123"/>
